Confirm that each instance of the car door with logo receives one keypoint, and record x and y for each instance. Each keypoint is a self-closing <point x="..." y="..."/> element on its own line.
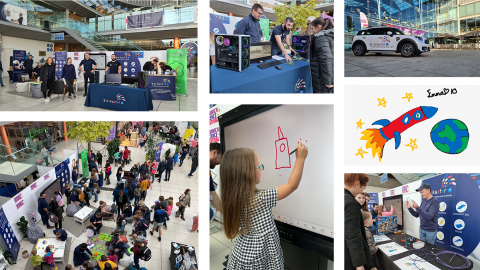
<point x="381" y="40"/>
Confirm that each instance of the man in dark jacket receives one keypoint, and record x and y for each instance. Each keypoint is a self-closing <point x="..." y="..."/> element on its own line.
<point x="321" y="54"/>
<point x="194" y="166"/>
<point x="250" y="25"/>
<point x="79" y="256"/>
<point x="121" y="200"/>
<point x="29" y="66"/>
<point x="162" y="166"/>
<point x="281" y="34"/>
<point x="357" y="251"/>
<point x="44" y="210"/>
<point x="428" y="213"/>
<point x="89" y="66"/>
<point x="1" y="69"/>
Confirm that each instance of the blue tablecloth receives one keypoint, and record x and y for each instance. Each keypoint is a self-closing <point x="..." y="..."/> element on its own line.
<point x="119" y="98"/>
<point x="256" y="80"/>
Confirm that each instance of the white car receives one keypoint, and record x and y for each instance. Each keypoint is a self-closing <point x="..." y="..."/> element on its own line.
<point x="388" y="40"/>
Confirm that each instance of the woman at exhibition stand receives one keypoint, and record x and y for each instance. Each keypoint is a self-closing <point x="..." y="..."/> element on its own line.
<point x="68" y="73"/>
<point x="357" y="252"/>
<point x="47" y="78"/>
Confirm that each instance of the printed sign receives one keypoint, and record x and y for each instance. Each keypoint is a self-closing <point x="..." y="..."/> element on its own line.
<point x="214" y="116"/>
<point x="8" y="235"/>
<point x="158" y="151"/>
<point x="33" y="186"/>
<point x="84" y="158"/>
<point x="130" y="63"/>
<point x="214" y="135"/>
<point x="177" y="60"/>
<point x="147" y="20"/>
<point x="191" y="48"/>
<point x="18" y="64"/>
<point x="57" y="36"/>
<point x="162" y="87"/>
<point x="113" y="131"/>
<point x="60" y="61"/>
<point x="405" y="189"/>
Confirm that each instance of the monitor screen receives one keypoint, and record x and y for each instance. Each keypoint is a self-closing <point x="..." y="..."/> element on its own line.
<point x="100" y="59"/>
<point x="260" y="50"/>
<point x="55" y="186"/>
<point x="397" y="203"/>
<point x="300" y="43"/>
<point x="273" y="134"/>
<point x="114" y="78"/>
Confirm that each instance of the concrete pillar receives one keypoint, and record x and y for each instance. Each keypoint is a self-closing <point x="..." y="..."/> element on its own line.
<point x="65" y="130"/>
<point x="66" y="47"/>
<point x="67" y="14"/>
<point x="3" y="134"/>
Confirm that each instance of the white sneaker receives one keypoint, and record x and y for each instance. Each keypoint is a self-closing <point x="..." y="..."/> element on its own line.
<point x="47" y="100"/>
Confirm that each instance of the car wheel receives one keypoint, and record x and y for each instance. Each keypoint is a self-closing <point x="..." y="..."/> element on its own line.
<point x="359" y="49"/>
<point x="407" y="50"/>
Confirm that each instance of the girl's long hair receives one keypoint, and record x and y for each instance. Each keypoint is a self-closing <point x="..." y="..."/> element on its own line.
<point x="381" y="208"/>
<point x="238" y="186"/>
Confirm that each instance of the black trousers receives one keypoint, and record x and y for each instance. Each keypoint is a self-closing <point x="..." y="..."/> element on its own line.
<point x="30" y="73"/>
<point x="50" y="83"/>
<point x="58" y="225"/>
<point x="86" y="77"/>
<point x="70" y="86"/>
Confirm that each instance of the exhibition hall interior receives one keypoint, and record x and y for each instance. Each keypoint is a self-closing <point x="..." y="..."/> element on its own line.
<point x="97" y="55"/>
<point x="423" y="220"/>
<point x="121" y="193"/>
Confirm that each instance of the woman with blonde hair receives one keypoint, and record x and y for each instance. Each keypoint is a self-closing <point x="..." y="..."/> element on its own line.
<point x="47" y="78"/>
<point x="68" y="73"/>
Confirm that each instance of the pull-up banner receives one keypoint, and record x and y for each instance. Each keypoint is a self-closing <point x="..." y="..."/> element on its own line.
<point x="8" y="236"/>
<point x="60" y="60"/>
<point x="18" y="63"/>
<point x="147" y="20"/>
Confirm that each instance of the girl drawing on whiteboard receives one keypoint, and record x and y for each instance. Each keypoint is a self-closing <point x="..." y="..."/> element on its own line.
<point x="247" y="211"/>
<point x="383" y="213"/>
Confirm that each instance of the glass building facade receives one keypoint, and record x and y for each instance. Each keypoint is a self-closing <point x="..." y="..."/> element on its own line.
<point x="432" y="17"/>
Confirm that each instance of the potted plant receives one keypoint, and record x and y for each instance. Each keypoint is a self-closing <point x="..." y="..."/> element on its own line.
<point x="112" y="148"/>
<point x="23" y="226"/>
<point x="151" y="145"/>
<point x="167" y="154"/>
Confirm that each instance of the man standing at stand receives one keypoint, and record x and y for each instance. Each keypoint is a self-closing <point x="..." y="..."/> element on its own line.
<point x="29" y="66"/>
<point x="428" y="213"/>
<point x="87" y="70"/>
<point x="114" y="65"/>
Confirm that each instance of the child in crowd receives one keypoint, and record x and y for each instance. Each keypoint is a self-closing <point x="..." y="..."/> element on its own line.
<point x="195" y="224"/>
<point x="108" y="172"/>
<point x="68" y="192"/>
<point x="73" y="196"/>
<point x="134" y="224"/>
<point x="169" y="208"/>
<point x="169" y="168"/>
<point x="96" y="190"/>
<point x="84" y="266"/>
<point x="161" y="199"/>
<point x="48" y="258"/>
<point x="160" y="216"/>
<point x="368" y="221"/>
<point x="137" y="193"/>
<point x="112" y="256"/>
<point x="111" y="244"/>
<point x="183" y="155"/>
<point x="175" y="159"/>
<point x="68" y="267"/>
<point x="121" y="224"/>
<point x="116" y="155"/>
<point x="116" y="234"/>
<point x="36" y="259"/>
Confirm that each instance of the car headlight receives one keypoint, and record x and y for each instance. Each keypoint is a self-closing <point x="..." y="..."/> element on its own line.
<point x="419" y="39"/>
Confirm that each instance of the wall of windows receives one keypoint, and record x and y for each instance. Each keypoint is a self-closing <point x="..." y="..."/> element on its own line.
<point x="472" y="24"/>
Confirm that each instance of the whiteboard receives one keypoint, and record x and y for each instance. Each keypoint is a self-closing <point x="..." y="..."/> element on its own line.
<point x="100" y="59"/>
<point x="310" y="206"/>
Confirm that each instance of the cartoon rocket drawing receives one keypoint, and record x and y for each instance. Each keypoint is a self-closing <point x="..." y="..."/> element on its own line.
<point x="376" y="138"/>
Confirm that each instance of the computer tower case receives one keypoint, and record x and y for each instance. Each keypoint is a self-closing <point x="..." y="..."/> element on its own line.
<point x="142" y="79"/>
<point x="232" y="52"/>
<point x="301" y="45"/>
<point x="99" y="76"/>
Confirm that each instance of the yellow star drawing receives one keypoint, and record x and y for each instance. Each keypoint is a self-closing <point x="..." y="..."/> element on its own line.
<point x="382" y="102"/>
<point x="412" y="144"/>
<point x="361" y="152"/>
<point x="408" y="96"/>
<point x="359" y="124"/>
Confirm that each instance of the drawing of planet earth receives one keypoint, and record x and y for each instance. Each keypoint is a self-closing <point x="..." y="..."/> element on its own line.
<point x="450" y="136"/>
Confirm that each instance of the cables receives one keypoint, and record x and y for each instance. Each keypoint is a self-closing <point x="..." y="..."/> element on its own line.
<point x="465" y="265"/>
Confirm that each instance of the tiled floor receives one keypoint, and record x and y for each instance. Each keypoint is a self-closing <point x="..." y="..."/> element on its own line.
<point x="220" y="246"/>
<point x="178" y="230"/>
<point x="11" y="102"/>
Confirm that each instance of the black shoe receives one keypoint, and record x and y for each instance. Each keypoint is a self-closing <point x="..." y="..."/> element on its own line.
<point x="159" y="238"/>
<point x="84" y="95"/>
<point x="75" y="96"/>
<point x="69" y="97"/>
<point x="151" y="233"/>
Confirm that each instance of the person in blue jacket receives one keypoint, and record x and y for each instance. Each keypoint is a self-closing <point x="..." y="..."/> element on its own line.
<point x="68" y="73"/>
<point x="74" y="175"/>
<point x="169" y="168"/>
<point x="183" y="155"/>
<point x="250" y="25"/>
<point x="60" y="234"/>
<point x="79" y="256"/>
<point x="162" y="166"/>
<point x="159" y="217"/>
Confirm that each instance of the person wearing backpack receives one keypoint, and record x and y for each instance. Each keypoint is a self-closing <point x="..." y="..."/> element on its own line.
<point x="137" y="252"/>
<point x="121" y="200"/>
<point x="56" y="214"/>
<point x="73" y="196"/>
<point x="87" y="194"/>
<point x="108" y="172"/>
<point x="184" y="202"/>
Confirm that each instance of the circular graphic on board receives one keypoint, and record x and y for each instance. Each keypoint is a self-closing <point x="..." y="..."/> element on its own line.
<point x="125" y="63"/>
<point x="450" y="136"/>
<point x="133" y="64"/>
<point x="440" y="235"/>
<point x="441" y="221"/>
<point x="459" y="224"/>
<point x="443" y="206"/>
<point x="125" y="75"/>
<point x="461" y="206"/>
<point x="457" y="241"/>
<point x="133" y="70"/>
<point x="7" y="229"/>
<point x="125" y="69"/>
<point x="133" y="75"/>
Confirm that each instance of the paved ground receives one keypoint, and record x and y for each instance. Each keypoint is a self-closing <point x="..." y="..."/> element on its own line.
<point x="440" y="63"/>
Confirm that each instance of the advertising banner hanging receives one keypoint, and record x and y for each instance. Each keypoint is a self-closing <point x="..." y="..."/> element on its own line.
<point x="13" y="14"/>
<point x="8" y="236"/>
<point x="147" y="20"/>
<point x="18" y="64"/>
<point x="113" y="131"/>
<point x="162" y="87"/>
<point x="60" y="60"/>
<point x="363" y="20"/>
<point x="177" y="59"/>
<point x="130" y="63"/>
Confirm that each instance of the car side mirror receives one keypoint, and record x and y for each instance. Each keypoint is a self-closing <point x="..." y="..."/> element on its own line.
<point x="390" y="33"/>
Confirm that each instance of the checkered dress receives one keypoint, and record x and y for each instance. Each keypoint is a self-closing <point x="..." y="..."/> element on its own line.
<point x="260" y="249"/>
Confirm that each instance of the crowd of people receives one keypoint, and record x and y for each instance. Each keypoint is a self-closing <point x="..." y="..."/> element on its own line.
<point x="128" y="206"/>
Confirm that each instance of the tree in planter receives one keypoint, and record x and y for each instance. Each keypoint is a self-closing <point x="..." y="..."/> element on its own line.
<point x="151" y="145"/>
<point x="167" y="154"/>
<point x="88" y="131"/>
<point x="299" y="14"/>
<point x="23" y="226"/>
<point x="112" y="149"/>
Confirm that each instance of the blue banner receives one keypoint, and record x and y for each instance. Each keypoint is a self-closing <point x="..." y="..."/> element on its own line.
<point x="60" y="60"/>
<point x="18" y="64"/>
<point x="8" y="236"/>
<point x="62" y="171"/>
<point x="373" y="199"/>
<point x="159" y="151"/>
<point x="130" y="63"/>
<point x="191" y="48"/>
<point x="162" y="87"/>
<point x="147" y="20"/>
<point x="458" y="217"/>
<point x="57" y="36"/>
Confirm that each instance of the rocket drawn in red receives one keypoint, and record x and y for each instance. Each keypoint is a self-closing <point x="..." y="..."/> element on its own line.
<point x="376" y="138"/>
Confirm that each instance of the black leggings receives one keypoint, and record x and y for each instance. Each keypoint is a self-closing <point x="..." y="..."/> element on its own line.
<point x="49" y="89"/>
<point x="70" y="86"/>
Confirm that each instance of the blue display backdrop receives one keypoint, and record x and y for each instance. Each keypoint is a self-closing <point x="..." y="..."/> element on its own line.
<point x="458" y="217"/>
<point x="62" y="171"/>
<point x="191" y="48"/>
<point x="159" y="151"/>
<point x="147" y="20"/>
<point x="60" y="61"/>
<point x="162" y="87"/>
<point x="130" y="63"/>
<point x="18" y="63"/>
<point x="373" y="199"/>
<point x="8" y="236"/>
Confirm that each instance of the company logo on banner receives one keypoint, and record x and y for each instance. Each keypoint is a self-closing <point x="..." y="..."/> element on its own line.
<point x="373" y="199"/>
<point x="84" y="158"/>
<point x="147" y="20"/>
<point x="139" y="54"/>
<point x="214" y="135"/>
<point x="46" y="176"/>
<point x="191" y="48"/>
<point x="458" y="219"/>
<point x="159" y="151"/>
<point x="120" y="100"/>
<point x="177" y="60"/>
<point x="57" y="36"/>
<point x="18" y="63"/>
<point x="161" y="87"/>
<point x="17" y="198"/>
<point x="383" y="194"/>
<point x="60" y="62"/>
<point x="363" y="20"/>
<point x="405" y="189"/>
<point x="214" y="115"/>
<point x="8" y="235"/>
<point x="223" y="19"/>
<point x="392" y="192"/>
<point x="128" y="60"/>
<point x="33" y="186"/>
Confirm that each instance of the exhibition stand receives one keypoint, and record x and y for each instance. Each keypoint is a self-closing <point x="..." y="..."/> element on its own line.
<point x="183" y="255"/>
<point x="256" y="80"/>
<point x="395" y="245"/>
<point x="119" y="98"/>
